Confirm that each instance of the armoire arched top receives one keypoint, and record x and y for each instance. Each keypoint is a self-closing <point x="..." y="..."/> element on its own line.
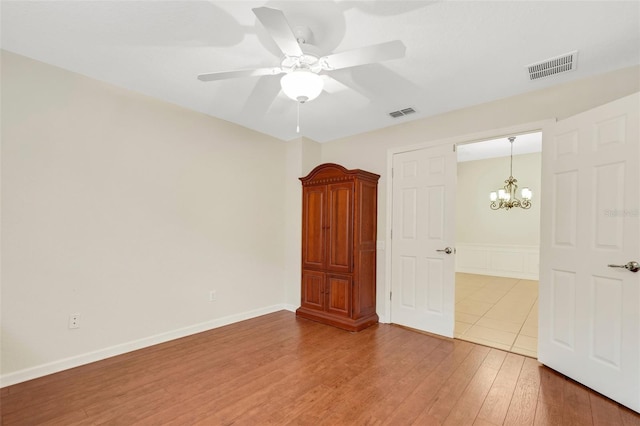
<point x="331" y="172"/>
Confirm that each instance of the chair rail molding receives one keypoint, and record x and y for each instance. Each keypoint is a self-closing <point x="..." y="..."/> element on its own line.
<point x="513" y="261"/>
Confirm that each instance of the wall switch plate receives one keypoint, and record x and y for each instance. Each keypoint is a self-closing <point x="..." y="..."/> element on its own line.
<point x="74" y="321"/>
<point x="213" y="296"/>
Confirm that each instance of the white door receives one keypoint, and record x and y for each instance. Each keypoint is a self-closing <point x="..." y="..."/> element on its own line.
<point x="589" y="327"/>
<point x="423" y="227"/>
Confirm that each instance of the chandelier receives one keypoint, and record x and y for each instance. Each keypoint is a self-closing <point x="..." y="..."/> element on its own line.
<point x="505" y="198"/>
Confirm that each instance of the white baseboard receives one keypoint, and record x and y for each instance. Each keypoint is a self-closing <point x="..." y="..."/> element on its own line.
<point x="498" y="260"/>
<point x="290" y="308"/>
<point x="78" y="360"/>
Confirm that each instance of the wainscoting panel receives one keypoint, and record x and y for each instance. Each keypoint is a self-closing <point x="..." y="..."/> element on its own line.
<point x="498" y="260"/>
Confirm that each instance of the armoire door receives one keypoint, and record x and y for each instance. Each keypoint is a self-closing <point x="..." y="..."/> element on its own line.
<point x="340" y="227"/>
<point x="339" y="294"/>
<point x="313" y="290"/>
<point x="314" y="224"/>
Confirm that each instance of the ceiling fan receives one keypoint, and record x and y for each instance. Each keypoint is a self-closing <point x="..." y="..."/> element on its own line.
<point x="302" y="64"/>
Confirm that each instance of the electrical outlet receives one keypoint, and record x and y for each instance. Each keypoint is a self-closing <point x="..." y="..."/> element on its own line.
<point x="213" y="296"/>
<point x="74" y="321"/>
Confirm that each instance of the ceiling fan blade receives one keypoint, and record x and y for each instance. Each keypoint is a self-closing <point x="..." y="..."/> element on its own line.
<point x="364" y="55"/>
<point x="261" y="97"/>
<point x="366" y="81"/>
<point x="331" y="85"/>
<point x="274" y="21"/>
<point x="239" y="73"/>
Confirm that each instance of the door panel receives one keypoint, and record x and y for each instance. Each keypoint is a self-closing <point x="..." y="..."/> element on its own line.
<point x="340" y="238"/>
<point x="313" y="227"/>
<point x="364" y="297"/>
<point x="339" y="290"/>
<point x="408" y="222"/>
<point x="563" y="302"/>
<point x="364" y="234"/>
<point x="408" y="270"/>
<point x="609" y="187"/>
<point x="366" y="211"/>
<point x="565" y="209"/>
<point x="435" y="213"/>
<point x="435" y="285"/>
<point x="423" y="208"/>
<point x="313" y="292"/>
<point x="606" y="344"/>
<point x="589" y="326"/>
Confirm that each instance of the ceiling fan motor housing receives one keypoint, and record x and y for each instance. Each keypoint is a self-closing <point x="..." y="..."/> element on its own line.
<point x="309" y="60"/>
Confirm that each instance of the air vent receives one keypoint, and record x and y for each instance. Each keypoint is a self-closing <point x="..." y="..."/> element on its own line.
<point x="402" y="112"/>
<point x="552" y="66"/>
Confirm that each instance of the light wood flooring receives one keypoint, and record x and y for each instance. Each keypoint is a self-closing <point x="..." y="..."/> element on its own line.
<point x="497" y="312"/>
<point x="280" y="370"/>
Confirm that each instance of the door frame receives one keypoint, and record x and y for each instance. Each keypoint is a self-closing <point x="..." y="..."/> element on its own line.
<point x="543" y="126"/>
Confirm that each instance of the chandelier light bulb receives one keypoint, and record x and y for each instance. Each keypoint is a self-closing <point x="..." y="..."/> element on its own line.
<point x="493" y="196"/>
<point x="302" y="85"/>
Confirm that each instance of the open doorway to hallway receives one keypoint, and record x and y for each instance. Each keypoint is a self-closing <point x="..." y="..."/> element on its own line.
<point x="498" y="249"/>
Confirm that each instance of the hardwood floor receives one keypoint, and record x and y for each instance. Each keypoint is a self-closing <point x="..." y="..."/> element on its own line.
<point x="277" y="369"/>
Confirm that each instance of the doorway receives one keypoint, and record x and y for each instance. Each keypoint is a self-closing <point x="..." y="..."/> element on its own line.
<point x="496" y="279"/>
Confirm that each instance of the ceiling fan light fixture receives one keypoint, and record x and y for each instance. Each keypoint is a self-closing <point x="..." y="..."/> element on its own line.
<point x="302" y="85"/>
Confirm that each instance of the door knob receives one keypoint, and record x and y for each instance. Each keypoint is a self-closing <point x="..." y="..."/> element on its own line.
<point x="632" y="266"/>
<point x="447" y="250"/>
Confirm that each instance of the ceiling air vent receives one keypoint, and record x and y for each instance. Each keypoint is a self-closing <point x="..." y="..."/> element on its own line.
<point x="402" y="112"/>
<point x="552" y="66"/>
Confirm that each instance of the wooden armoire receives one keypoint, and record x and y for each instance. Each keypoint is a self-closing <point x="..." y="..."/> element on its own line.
<point x="339" y="209"/>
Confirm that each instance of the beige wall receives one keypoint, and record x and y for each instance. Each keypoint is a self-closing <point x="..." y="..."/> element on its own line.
<point x="128" y="211"/>
<point x="476" y="223"/>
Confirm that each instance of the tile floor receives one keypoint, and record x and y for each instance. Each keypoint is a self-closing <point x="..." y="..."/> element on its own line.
<point x="497" y="312"/>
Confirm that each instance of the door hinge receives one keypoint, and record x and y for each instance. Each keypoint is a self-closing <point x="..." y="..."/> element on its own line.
<point x="392" y="234"/>
<point x="454" y="147"/>
<point x="392" y="173"/>
<point x="390" y="295"/>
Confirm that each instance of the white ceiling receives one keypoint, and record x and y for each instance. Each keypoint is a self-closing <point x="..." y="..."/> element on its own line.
<point x="458" y="53"/>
